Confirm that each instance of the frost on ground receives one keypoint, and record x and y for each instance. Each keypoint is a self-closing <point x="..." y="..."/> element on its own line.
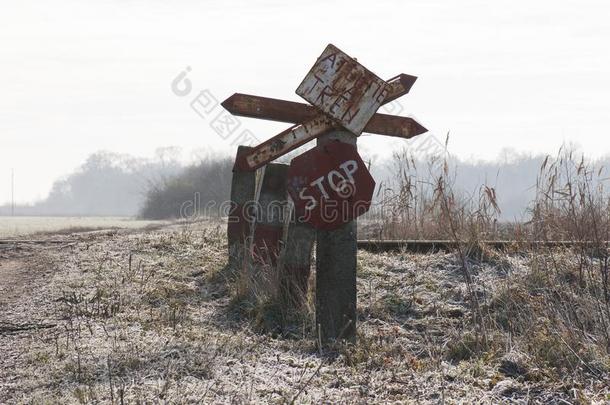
<point x="146" y="315"/>
<point x="22" y="226"/>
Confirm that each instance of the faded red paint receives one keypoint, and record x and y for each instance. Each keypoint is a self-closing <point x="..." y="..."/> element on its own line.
<point x="330" y="185"/>
<point x="266" y="244"/>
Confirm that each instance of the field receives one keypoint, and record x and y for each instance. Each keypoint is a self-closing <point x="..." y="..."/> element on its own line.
<point x="11" y="227"/>
<point x="122" y="311"/>
<point x="151" y="315"/>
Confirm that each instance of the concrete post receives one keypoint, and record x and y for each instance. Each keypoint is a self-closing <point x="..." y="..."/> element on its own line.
<point x="296" y="257"/>
<point x="238" y="227"/>
<point x="336" y="271"/>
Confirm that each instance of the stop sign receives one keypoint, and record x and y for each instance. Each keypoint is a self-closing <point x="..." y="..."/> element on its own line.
<point x="330" y="185"/>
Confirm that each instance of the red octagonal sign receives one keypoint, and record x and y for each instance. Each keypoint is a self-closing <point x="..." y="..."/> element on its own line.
<point x="330" y="185"/>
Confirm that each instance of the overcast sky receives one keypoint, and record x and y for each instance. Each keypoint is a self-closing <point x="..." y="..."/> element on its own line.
<point x="81" y="76"/>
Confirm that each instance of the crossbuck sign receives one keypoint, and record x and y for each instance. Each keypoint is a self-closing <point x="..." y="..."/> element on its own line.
<point x="343" y="94"/>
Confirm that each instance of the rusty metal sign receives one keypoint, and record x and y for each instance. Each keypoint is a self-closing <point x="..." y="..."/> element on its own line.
<point x="343" y="89"/>
<point x="330" y="185"/>
<point x="342" y="92"/>
<point x="298" y="135"/>
<point x="246" y="105"/>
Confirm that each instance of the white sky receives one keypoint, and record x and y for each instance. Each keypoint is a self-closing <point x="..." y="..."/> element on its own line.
<point x="80" y="76"/>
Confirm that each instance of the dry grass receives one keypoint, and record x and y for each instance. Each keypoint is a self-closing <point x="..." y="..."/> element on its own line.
<point x="269" y="298"/>
<point x="421" y="203"/>
<point x="555" y="313"/>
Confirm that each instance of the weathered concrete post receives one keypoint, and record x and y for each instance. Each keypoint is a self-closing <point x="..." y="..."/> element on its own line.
<point x="336" y="271"/>
<point x="298" y="245"/>
<point x="238" y="225"/>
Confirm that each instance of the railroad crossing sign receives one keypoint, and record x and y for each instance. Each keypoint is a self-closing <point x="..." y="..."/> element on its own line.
<point x="315" y="125"/>
<point x="344" y="94"/>
<point x="330" y="185"/>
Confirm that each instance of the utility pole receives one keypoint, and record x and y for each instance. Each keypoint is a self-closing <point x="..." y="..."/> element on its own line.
<point x="13" y="192"/>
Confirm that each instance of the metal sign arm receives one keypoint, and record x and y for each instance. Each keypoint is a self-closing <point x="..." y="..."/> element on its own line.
<point x="273" y="109"/>
<point x="298" y="135"/>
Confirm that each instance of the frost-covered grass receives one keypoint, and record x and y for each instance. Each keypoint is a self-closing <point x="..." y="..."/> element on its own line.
<point x="148" y="317"/>
<point x="23" y="226"/>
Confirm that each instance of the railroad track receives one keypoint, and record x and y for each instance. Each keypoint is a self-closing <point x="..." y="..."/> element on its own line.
<point x="409" y="245"/>
<point x="426" y="246"/>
